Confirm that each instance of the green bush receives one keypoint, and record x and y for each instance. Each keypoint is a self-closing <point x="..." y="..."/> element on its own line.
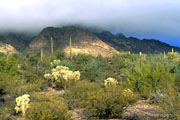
<point x="99" y="102"/>
<point x="15" y="86"/>
<point x="9" y="64"/>
<point x="59" y="55"/>
<point x="68" y="64"/>
<point x="47" y="107"/>
<point x="80" y="60"/>
<point x="108" y="103"/>
<point x="93" y="71"/>
<point x="173" y="57"/>
<point x="7" y="109"/>
<point x="149" y="76"/>
<point x="170" y="103"/>
<point x="76" y="96"/>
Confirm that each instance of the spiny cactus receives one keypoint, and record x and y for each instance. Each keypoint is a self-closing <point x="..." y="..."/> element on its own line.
<point x="52" y="49"/>
<point x="61" y="76"/>
<point x="129" y="52"/>
<point x="140" y="53"/>
<point x="22" y="103"/>
<point x="110" y="82"/>
<point x="164" y="54"/>
<point x="172" y="50"/>
<point x="70" y="47"/>
<point x="127" y="93"/>
<point x="144" y="56"/>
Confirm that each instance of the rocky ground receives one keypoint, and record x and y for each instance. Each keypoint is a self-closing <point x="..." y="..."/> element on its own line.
<point x="142" y="110"/>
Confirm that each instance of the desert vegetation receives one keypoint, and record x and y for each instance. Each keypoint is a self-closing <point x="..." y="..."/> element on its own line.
<point x="39" y="87"/>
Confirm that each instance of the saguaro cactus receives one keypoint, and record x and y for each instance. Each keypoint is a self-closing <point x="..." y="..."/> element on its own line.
<point x="70" y="47"/>
<point x="129" y="52"/>
<point x="164" y="54"/>
<point x="41" y="54"/>
<point x="52" y="50"/>
<point x="140" y="53"/>
<point x="172" y="50"/>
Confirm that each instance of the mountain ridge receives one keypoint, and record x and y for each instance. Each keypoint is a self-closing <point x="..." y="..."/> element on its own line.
<point x="82" y="41"/>
<point x="24" y="42"/>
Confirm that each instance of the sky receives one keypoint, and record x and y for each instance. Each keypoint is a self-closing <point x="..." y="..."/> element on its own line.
<point x="157" y="19"/>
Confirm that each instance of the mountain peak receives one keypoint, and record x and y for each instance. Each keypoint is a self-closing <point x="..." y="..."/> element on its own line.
<point x="82" y="41"/>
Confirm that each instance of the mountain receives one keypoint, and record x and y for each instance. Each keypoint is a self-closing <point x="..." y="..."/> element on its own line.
<point x="18" y="40"/>
<point x="93" y="41"/>
<point x="82" y="41"/>
<point x="135" y="45"/>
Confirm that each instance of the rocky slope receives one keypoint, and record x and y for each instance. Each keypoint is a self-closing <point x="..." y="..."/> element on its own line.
<point x="122" y="43"/>
<point x="7" y="48"/>
<point x="82" y="41"/>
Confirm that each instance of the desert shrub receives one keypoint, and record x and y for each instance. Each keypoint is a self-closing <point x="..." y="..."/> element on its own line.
<point x="93" y="71"/>
<point x="123" y="61"/>
<point x="77" y="95"/>
<point x="173" y="57"/>
<point x="7" y="110"/>
<point x="59" y="55"/>
<point x="33" y="58"/>
<point x="47" y="107"/>
<point x="2" y="54"/>
<point x="108" y="103"/>
<point x="99" y="102"/>
<point x="146" y="77"/>
<point x="68" y="64"/>
<point x="16" y="86"/>
<point x="170" y="102"/>
<point x="80" y="60"/>
<point x="9" y="64"/>
<point x="55" y="63"/>
<point x="176" y="69"/>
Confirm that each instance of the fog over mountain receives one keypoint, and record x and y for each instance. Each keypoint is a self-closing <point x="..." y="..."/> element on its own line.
<point x="159" y="19"/>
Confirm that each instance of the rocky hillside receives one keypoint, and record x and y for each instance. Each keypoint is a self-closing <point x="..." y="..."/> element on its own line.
<point x="122" y="43"/>
<point x="82" y="41"/>
<point x="7" y="48"/>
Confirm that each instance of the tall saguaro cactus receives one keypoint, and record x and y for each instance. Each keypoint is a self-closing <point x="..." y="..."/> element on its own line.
<point x="70" y="47"/>
<point x="41" y="54"/>
<point x="140" y="54"/>
<point x="52" y="50"/>
<point x="172" y="50"/>
<point x="164" y="54"/>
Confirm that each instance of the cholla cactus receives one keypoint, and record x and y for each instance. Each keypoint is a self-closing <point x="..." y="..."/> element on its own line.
<point x="110" y="82"/>
<point x="127" y="93"/>
<point x="22" y="103"/>
<point x="62" y="74"/>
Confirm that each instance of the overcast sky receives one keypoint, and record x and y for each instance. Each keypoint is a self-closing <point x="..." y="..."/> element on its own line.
<point x="158" y="19"/>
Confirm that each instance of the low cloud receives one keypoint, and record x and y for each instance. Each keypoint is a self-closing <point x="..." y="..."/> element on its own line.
<point x="141" y="17"/>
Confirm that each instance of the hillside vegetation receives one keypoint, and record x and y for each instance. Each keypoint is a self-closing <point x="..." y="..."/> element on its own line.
<point x="52" y="87"/>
